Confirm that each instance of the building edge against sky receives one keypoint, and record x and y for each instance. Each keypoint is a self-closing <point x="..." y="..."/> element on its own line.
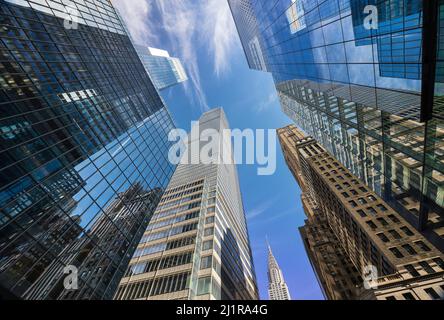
<point x="197" y="246"/>
<point x="85" y="150"/>
<point x="386" y="127"/>
<point x="165" y="71"/>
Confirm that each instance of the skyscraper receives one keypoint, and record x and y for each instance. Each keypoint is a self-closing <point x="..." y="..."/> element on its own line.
<point x="165" y="71"/>
<point x="196" y="246"/>
<point x="395" y="260"/>
<point x="84" y="157"/>
<point x="364" y="78"/>
<point x="277" y="287"/>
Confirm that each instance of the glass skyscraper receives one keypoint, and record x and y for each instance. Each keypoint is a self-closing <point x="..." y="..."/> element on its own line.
<point x="165" y="71"/>
<point x="83" y="160"/>
<point x="196" y="246"/>
<point x="364" y="78"/>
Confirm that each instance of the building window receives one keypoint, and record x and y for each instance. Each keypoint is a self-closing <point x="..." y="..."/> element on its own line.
<point x="422" y="246"/>
<point x="397" y="253"/>
<point x="439" y="262"/>
<point x="205" y="262"/>
<point x="209" y="220"/>
<point x="412" y="270"/>
<point x="408" y="296"/>
<point x="208" y="232"/>
<point x="207" y="245"/>
<point x="394" y="218"/>
<point x="432" y="294"/>
<point x="371" y="224"/>
<point x="409" y="249"/>
<point x="203" y="286"/>
<point x="353" y="204"/>
<point x="427" y="267"/>
<point x="407" y="231"/>
<point x="383" y="237"/>
<point x="362" y="213"/>
<point x="382" y="221"/>
<point x="395" y="234"/>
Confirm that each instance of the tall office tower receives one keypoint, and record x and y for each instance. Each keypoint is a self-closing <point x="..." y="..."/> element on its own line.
<point x="350" y="73"/>
<point x="378" y="242"/>
<point x="277" y="287"/>
<point x="84" y="155"/>
<point x="196" y="246"/>
<point x="164" y="70"/>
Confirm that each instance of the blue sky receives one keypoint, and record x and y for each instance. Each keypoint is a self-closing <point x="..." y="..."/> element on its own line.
<point x="202" y="34"/>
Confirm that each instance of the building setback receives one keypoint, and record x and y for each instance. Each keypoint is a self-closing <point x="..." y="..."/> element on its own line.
<point x="371" y="95"/>
<point x="84" y="156"/>
<point x="196" y="246"/>
<point x="342" y="211"/>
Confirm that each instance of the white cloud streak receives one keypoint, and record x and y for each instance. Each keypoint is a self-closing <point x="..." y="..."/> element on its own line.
<point x="135" y="14"/>
<point x="269" y="102"/>
<point x="261" y="208"/>
<point x="190" y="26"/>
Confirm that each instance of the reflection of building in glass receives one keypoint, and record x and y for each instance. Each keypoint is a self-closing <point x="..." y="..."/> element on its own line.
<point x="102" y="255"/>
<point x="80" y="124"/>
<point x="196" y="246"/>
<point x="164" y="70"/>
<point x="277" y="288"/>
<point x="373" y="239"/>
<point x="398" y="35"/>
<point x="295" y="16"/>
<point x="359" y="93"/>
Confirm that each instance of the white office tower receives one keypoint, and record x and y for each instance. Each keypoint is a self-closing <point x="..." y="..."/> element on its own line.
<point x="277" y="288"/>
<point x="196" y="246"/>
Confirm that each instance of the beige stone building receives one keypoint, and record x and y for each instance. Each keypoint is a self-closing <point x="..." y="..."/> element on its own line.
<point x="359" y="246"/>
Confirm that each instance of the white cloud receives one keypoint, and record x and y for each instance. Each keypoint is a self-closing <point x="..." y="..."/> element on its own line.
<point x="261" y="208"/>
<point x="223" y="33"/>
<point x="190" y="25"/>
<point x="268" y="102"/>
<point x="136" y="13"/>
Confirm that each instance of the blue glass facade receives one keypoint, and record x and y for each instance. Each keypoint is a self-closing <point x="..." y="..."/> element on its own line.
<point x="349" y="73"/>
<point x="84" y="145"/>
<point x="164" y="70"/>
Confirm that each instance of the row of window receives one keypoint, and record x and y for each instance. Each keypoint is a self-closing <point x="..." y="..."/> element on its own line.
<point x="172" y="221"/>
<point x="425" y="266"/>
<point x="183" y="193"/>
<point x="170" y="245"/>
<point x="178" y="209"/>
<point x="179" y="201"/>
<point x="150" y="288"/>
<point x="431" y="292"/>
<point x="177" y="189"/>
<point x="171" y="232"/>
<point x="159" y="264"/>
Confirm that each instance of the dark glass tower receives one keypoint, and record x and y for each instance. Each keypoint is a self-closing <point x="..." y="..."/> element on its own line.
<point x="83" y="160"/>
<point x="370" y="93"/>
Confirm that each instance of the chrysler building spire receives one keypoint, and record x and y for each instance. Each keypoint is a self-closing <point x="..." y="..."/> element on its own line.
<point x="277" y="288"/>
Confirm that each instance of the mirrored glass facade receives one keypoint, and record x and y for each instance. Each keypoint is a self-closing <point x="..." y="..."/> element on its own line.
<point x="349" y="73"/>
<point x="165" y="71"/>
<point x="84" y="150"/>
